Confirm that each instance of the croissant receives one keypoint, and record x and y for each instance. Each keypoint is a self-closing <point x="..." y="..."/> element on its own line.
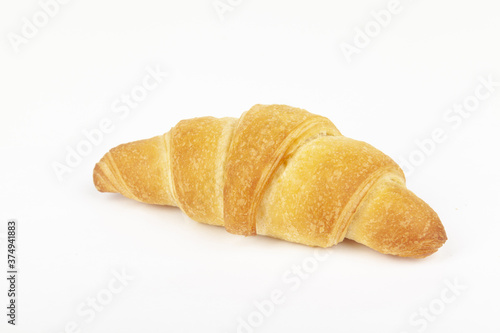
<point x="277" y="171"/>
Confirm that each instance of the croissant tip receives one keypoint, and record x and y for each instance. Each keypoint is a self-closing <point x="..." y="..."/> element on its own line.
<point x="101" y="182"/>
<point x="428" y="245"/>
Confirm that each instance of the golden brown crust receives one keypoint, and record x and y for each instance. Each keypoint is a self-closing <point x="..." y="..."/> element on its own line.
<point x="394" y="220"/>
<point x="198" y="147"/>
<point x="277" y="171"/>
<point x="118" y="171"/>
<point x="312" y="200"/>
<point x="262" y="138"/>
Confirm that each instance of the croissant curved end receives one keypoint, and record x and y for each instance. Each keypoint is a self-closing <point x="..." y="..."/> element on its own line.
<point x="137" y="170"/>
<point x="101" y="176"/>
<point x="393" y="220"/>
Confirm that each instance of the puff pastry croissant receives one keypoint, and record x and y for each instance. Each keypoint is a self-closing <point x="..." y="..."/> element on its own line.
<point x="277" y="171"/>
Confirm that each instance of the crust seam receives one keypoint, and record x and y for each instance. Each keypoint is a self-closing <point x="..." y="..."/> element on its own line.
<point x="349" y="210"/>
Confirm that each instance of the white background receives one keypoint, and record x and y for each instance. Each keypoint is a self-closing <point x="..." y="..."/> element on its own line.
<point x="189" y="277"/>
